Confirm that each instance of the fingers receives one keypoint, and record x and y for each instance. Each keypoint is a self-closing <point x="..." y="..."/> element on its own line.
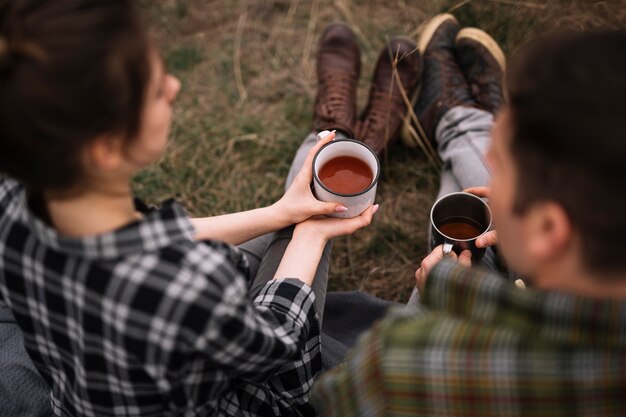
<point x="420" y="279"/>
<point x="434" y="258"/>
<point x="360" y="221"/>
<point x="365" y="218"/>
<point x="483" y="192"/>
<point x="465" y="258"/>
<point x="330" y="208"/>
<point x="427" y="264"/>
<point x="488" y="239"/>
<point x="340" y="227"/>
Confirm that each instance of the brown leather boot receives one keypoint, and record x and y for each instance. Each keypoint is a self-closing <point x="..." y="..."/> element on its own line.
<point x="397" y="70"/>
<point x="443" y="84"/>
<point x="338" y="70"/>
<point x="483" y="63"/>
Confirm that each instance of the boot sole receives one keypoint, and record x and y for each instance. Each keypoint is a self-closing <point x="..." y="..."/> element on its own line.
<point x="486" y="41"/>
<point x="431" y="27"/>
<point x="408" y="133"/>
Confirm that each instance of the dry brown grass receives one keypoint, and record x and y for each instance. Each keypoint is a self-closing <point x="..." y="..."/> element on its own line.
<point x="248" y="71"/>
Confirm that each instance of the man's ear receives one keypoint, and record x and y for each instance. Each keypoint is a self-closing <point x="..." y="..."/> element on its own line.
<point x="548" y="230"/>
<point x="105" y="153"/>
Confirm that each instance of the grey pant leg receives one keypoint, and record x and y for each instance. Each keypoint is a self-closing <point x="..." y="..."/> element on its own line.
<point x="265" y="252"/>
<point x="254" y="251"/>
<point x="463" y="137"/>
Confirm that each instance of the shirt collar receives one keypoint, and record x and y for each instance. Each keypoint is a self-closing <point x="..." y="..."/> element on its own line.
<point x="157" y="229"/>
<point x="483" y="296"/>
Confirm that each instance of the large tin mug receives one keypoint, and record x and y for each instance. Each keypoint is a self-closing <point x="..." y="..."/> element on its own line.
<point x="474" y="215"/>
<point x="355" y="203"/>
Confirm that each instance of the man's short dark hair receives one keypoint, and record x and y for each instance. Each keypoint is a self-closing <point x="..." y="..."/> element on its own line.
<point x="567" y="95"/>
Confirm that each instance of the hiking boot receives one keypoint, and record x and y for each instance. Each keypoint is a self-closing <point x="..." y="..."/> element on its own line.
<point x="396" y="74"/>
<point x="338" y="69"/>
<point x="483" y="63"/>
<point x="443" y="84"/>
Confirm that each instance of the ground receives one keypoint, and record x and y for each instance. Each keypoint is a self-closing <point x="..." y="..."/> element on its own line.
<point x="248" y="73"/>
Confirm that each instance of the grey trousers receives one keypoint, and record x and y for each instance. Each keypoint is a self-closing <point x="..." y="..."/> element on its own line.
<point x="463" y="136"/>
<point x="264" y="253"/>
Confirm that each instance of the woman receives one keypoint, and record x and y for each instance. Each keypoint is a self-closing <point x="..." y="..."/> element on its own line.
<point x="128" y="311"/>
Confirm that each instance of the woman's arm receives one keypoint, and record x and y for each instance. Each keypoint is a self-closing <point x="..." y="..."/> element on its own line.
<point x="295" y="206"/>
<point x="240" y="227"/>
<point x="309" y="238"/>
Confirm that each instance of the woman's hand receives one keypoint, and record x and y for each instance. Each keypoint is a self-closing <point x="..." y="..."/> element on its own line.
<point x="433" y="259"/>
<point x="299" y="203"/>
<point x="325" y="228"/>
<point x="491" y="237"/>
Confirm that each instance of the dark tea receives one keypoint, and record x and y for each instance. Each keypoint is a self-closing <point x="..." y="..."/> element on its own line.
<point x="346" y="175"/>
<point x="459" y="229"/>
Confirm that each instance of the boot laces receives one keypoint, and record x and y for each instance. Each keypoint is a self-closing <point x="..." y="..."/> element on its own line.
<point x="337" y="90"/>
<point x="383" y="105"/>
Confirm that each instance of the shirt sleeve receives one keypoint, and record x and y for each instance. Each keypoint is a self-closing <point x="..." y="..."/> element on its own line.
<point x="215" y="338"/>
<point x="252" y="339"/>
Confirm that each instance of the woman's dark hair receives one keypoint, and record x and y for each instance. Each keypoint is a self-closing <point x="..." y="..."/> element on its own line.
<point x="70" y="71"/>
<point x="567" y="96"/>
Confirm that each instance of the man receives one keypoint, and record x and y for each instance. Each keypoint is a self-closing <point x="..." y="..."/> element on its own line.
<point x="478" y="345"/>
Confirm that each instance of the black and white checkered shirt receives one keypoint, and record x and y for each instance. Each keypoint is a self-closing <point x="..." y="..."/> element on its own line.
<point x="145" y="321"/>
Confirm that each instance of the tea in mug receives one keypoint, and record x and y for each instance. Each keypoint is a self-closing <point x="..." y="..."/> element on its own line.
<point x="346" y="175"/>
<point x="459" y="228"/>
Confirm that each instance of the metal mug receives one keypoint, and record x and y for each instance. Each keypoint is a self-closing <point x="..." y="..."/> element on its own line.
<point x="358" y="202"/>
<point x="460" y="207"/>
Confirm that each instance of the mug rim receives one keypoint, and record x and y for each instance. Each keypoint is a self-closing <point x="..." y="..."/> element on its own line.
<point x="487" y="229"/>
<point x="374" y="180"/>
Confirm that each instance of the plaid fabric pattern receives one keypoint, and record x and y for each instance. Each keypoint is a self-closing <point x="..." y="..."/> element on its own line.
<point x="144" y="321"/>
<point x="479" y="346"/>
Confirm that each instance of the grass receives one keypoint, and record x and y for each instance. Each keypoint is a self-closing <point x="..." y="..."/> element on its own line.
<point x="248" y="74"/>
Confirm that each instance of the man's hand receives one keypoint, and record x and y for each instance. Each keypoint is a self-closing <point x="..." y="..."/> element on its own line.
<point x="299" y="203"/>
<point x="491" y="237"/>
<point x="433" y="259"/>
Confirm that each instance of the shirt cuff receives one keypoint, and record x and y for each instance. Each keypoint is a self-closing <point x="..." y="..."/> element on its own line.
<point x="290" y="297"/>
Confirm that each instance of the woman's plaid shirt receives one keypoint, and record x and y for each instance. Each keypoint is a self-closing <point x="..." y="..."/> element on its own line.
<point x="144" y="321"/>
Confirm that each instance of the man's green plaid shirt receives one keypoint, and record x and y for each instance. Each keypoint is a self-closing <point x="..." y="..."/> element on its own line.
<point x="479" y="346"/>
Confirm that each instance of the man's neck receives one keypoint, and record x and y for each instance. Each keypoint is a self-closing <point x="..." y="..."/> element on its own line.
<point x="571" y="277"/>
<point x="91" y="212"/>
